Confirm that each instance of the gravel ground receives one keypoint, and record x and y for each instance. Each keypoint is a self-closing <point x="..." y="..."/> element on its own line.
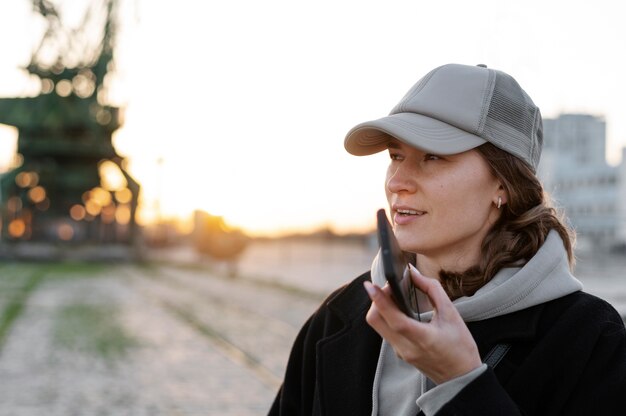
<point x="180" y="343"/>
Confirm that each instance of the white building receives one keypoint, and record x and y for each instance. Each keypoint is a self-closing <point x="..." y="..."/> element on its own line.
<point x="621" y="202"/>
<point x="574" y="171"/>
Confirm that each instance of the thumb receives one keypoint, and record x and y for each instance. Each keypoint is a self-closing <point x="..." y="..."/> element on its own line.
<point x="432" y="288"/>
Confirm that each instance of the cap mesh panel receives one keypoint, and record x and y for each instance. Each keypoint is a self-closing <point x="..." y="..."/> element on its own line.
<point x="510" y="106"/>
<point x="511" y="119"/>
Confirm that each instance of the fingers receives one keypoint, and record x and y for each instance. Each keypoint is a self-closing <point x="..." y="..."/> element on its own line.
<point x="385" y="316"/>
<point x="408" y="337"/>
<point x="432" y="288"/>
<point x="383" y="302"/>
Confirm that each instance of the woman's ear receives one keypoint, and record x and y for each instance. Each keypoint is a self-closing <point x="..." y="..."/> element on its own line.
<point x="501" y="197"/>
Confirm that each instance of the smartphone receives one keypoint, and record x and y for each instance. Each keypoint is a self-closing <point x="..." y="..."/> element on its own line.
<point x="396" y="268"/>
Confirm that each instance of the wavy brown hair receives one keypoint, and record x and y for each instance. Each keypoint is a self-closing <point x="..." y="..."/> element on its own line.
<point x="525" y="221"/>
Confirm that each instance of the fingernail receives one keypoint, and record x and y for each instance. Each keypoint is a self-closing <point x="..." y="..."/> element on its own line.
<point x="371" y="291"/>
<point x="413" y="268"/>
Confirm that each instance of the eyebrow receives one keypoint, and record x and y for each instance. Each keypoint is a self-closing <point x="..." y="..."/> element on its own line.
<point x="393" y="145"/>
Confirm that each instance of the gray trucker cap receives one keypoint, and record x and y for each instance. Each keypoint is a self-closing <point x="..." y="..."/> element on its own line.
<point x="455" y="108"/>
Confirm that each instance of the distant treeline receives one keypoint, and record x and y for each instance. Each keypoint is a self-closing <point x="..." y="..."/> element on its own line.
<point x="324" y="234"/>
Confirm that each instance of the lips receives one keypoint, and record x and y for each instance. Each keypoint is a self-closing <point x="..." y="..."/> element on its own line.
<point x="404" y="215"/>
<point x="406" y="210"/>
<point x="409" y="212"/>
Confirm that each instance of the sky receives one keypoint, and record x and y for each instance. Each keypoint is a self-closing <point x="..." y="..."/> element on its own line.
<point x="240" y="108"/>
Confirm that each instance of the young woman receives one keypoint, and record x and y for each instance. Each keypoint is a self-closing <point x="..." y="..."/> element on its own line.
<point x="506" y="328"/>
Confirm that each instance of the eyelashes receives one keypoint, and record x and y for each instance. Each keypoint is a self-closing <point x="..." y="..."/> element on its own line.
<point x="426" y="157"/>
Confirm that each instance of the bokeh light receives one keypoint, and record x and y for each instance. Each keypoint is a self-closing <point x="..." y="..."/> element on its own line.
<point x="77" y="212"/>
<point x="37" y="194"/>
<point x="27" y="179"/>
<point x="93" y="208"/>
<point x="64" y="88"/>
<point x="111" y="176"/>
<point x="123" y="214"/>
<point x="123" y="196"/>
<point x="14" y="204"/>
<point x="17" y="228"/>
<point x="65" y="232"/>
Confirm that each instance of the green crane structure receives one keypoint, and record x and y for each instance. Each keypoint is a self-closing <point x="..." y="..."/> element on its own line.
<point x="70" y="187"/>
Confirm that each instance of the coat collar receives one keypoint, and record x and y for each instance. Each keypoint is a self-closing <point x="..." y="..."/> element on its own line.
<point x="352" y="302"/>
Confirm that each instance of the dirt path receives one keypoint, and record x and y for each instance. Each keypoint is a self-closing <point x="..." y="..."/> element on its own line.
<point x="130" y="340"/>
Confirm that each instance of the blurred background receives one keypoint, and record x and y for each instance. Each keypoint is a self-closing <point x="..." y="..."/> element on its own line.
<point x="175" y="199"/>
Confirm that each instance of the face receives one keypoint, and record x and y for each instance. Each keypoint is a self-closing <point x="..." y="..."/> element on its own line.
<point x="441" y="206"/>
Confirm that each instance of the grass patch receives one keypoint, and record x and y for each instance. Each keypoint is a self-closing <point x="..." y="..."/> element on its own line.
<point x="92" y="329"/>
<point x="18" y="280"/>
<point x="75" y="269"/>
<point x="14" y="307"/>
<point x="56" y="270"/>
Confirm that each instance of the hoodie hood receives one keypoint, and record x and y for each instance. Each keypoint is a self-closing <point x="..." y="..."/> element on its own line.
<point x="543" y="278"/>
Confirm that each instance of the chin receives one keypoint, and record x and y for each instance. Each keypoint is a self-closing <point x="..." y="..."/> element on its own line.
<point x="410" y="245"/>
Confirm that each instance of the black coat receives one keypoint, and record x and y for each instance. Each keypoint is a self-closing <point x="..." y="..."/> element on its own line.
<point x="568" y="357"/>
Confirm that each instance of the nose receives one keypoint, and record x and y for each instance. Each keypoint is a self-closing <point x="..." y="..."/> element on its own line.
<point x="400" y="179"/>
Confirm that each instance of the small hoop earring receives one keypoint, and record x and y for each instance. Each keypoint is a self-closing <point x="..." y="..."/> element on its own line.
<point x="499" y="202"/>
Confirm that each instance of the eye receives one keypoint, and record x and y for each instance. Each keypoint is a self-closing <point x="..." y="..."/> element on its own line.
<point x="395" y="156"/>
<point x="430" y="156"/>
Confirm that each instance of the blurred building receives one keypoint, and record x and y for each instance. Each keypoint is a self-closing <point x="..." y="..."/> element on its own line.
<point x="575" y="172"/>
<point x="69" y="189"/>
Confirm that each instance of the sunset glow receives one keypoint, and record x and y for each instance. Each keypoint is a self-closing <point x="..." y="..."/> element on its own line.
<point x="240" y="108"/>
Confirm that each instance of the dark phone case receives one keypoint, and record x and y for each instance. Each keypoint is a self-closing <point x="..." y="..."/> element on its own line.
<point x="394" y="265"/>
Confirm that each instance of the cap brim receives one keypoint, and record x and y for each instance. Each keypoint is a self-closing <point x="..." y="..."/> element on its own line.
<point x="425" y="133"/>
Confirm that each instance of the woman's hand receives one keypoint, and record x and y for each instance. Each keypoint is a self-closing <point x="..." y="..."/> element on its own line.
<point x="442" y="349"/>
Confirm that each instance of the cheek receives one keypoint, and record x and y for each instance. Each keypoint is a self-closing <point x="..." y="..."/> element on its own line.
<point x="465" y="200"/>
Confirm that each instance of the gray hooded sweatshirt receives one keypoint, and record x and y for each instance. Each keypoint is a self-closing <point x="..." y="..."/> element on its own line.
<point x="400" y="389"/>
